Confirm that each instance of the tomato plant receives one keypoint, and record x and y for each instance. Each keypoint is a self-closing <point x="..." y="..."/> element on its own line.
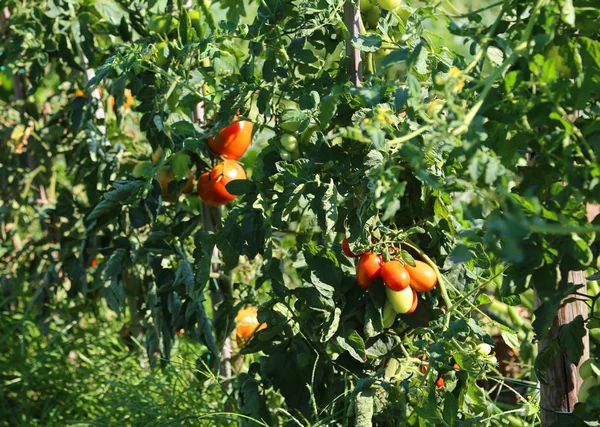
<point x="463" y="151"/>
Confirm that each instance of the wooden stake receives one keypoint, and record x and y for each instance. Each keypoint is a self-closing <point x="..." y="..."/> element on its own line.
<point x="352" y="21"/>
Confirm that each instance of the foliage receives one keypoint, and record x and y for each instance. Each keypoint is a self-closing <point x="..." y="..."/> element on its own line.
<point x="482" y="163"/>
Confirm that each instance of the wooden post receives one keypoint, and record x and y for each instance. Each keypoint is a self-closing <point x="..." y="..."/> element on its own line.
<point x="352" y="21"/>
<point x="559" y="396"/>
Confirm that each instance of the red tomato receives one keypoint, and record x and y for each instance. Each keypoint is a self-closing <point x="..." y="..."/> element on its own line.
<point x="211" y="186"/>
<point x="346" y="249"/>
<point x="207" y="192"/>
<point x="94" y="263"/>
<point x="368" y="269"/>
<point x="440" y="382"/>
<point x="422" y="276"/>
<point x="233" y="141"/>
<point x="395" y="276"/>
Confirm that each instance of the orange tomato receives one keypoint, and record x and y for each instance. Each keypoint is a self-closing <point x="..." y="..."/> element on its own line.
<point x="395" y="276"/>
<point x="346" y="249"/>
<point x="248" y="324"/>
<point x="164" y="176"/>
<point x="422" y="276"/>
<point x="440" y="382"/>
<point x="212" y="185"/>
<point x="456" y="367"/>
<point x="368" y="269"/>
<point x="128" y="100"/>
<point x="94" y="263"/>
<point x="79" y="94"/>
<point x="415" y="302"/>
<point x="232" y="141"/>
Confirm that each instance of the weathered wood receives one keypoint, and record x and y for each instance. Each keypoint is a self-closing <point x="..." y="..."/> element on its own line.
<point x="352" y="21"/>
<point x="559" y="395"/>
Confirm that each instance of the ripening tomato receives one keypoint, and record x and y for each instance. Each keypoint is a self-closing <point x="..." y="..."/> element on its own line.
<point x="232" y="141"/>
<point x="368" y="269"/>
<point x="395" y="276"/>
<point x="94" y="263"/>
<point x="422" y="276"/>
<point x="389" y="4"/>
<point x="401" y="301"/>
<point x="440" y="382"/>
<point x="248" y="324"/>
<point x="212" y="186"/>
<point x="206" y="191"/>
<point x="164" y="176"/>
<point x="346" y="249"/>
<point x="415" y="302"/>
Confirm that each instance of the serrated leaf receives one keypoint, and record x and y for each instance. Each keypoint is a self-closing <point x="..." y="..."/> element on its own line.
<point x="450" y="411"/>
<point x="353" y="344"/>
<point x="367" y="42"/>
<point x="510" y="338"/>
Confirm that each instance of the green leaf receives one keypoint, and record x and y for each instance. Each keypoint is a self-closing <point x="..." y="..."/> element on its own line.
<point x="510" y="338"/>
<point x="367" y="42"/>
<point x="570" y="339"/>
<point x="353" y="344"/>
<point x="239" y="187"/>
<point x="180" y="163"/>
<point x="327" y="111"/>
<point x="450" y="410"/>
<point x="568" y="12"/>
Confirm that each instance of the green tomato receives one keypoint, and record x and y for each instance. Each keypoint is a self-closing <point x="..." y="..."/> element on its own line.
<point x="389" y="4"/>
<point x="400" y="301"/>
<point x="595" y="335"/>
<point x="142" y="170"/>
<point x="163" y="25"/>
<point x="372" y="17"/>
<point x="389" y="315"/>
<point x="484" y="349"/>
<point x="586" y="370"/>
<point x="161" y="59"/>
<point x="286" y="155"/>
<point x="403" y="14"/>
<point x="366" y="5"/>
<point x="196" y="22"/>
<point x="584" y="391"/>
<point x="289" y="142"/>
<point x="492" y="360"/>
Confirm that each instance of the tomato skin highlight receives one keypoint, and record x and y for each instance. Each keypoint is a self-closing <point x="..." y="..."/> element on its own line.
<point x="368" y="269"/>
<point x="422" y="276"/>
<point x="401" y="301"/>
<point x="232" y="141"/>
<point x="395" y="276"/>
<point x="346" y="249"/>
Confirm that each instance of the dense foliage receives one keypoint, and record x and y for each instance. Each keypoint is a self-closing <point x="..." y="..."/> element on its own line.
<point x="479" y="160"/>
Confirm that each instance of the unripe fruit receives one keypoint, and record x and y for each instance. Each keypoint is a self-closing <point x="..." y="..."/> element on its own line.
<point x="389" y="315"/>
<point x="389" y="4"/>
<point x="584" y="391"/>
<point x="484" y="349"/>
<point x="289" y="142"/>
<point x="401" y="301"/>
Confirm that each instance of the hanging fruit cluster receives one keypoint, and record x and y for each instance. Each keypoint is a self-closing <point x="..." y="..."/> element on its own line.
<point x="403" y="277"/>
<point x="229" y="144"/>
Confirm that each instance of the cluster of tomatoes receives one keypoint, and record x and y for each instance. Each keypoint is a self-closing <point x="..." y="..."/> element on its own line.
<point x="229" y="144"/>
<point x="402" y="280"/>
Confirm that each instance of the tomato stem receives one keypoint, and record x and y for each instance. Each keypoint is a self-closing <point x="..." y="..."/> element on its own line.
<point x="440" y="278"/>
